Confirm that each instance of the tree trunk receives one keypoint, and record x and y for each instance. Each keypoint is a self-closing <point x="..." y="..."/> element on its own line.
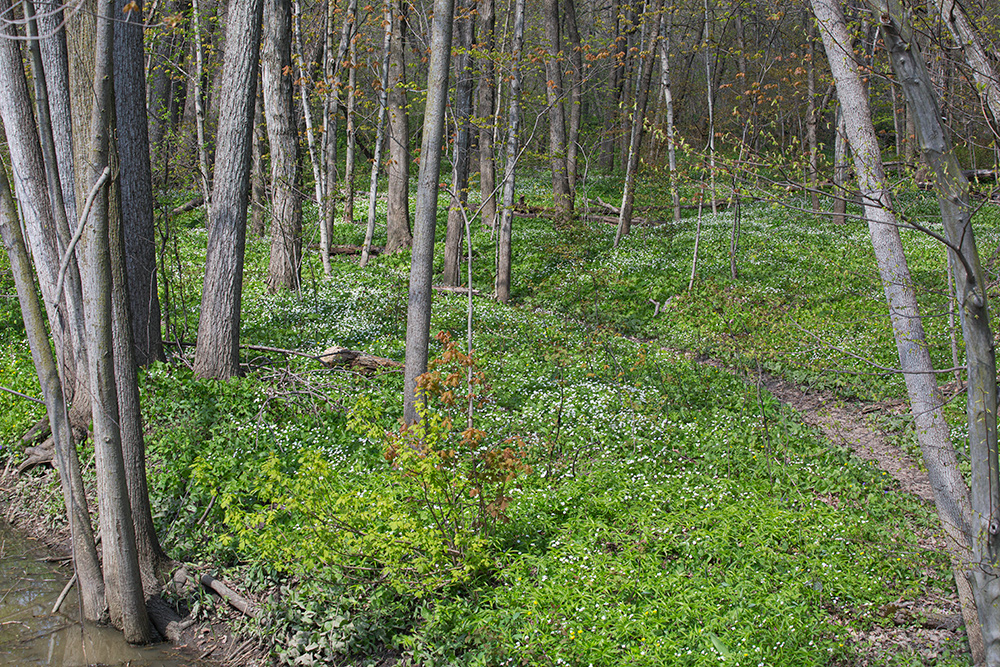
<point x="666" y="28"/>
<point x="418" y="319"/>
<point x="217" y="353"/>
<point x="485" y="103"/>
<point x="575" y="94"/>
<point x="398" y="205"/>
<point x="513" y="123"/>
<point x="332" y="69"/>
<point x="462" y="110"/>
<point x="85" y="560"/>
<point x="163" y="86"/>
<point x="379" y="134"/>
<point x="557" y="119"/>
<point x="122" y="578"/>
<point x="983" y="73"/>
<point x="950" y="492"/>
<point x="317" y="165"/>
<point x="352" y="133"/>
<point x="970" y="289"/>
<point x="258" y="177"/>
<point x="811" y="119"/>
<point x="285" y="268"/>
<point x="199" y="105"/>
<point x="649" y="35"/>
<point x="136" y="186"/>
<point x="607" y="150"/>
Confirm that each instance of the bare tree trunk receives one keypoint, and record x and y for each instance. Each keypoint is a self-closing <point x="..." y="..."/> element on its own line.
<point x="379" y="134"/>
<point x="334" y="65"/>
<point x="811" y="119"/>
<point x="285" y="267"/>
<point x="217" y="354"/>
<point x="486" y="102"/>
<point x="710" y="88"/>
<point x="122" y="577"/>
<point x="607" y="149"/>
<point x="575" y="95"/>
<point x="85" y="560"/>
<point x="418" y="320"/>
<point x="840" y="169"/>
<point x="398" y="204"/>
<point x="317" y="164"/>
<point x="136" y="186"/>
<point x="966" y="37"/>
<point x="951" y="494"/>
<point x="258" y="179"/>
<point x="199" y="105"/>
<point x="352" y="134"/>
<point x="970" y="289"/>
<point x="557" y="119"/>
<point x="164" y="88"/>
<point x="650" y="25"/>
<point x="462" y="110"/>
<point x="666" y="28"/>
<point x="513" y="124"/>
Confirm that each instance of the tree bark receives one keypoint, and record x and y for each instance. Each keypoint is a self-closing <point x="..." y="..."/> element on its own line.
<point x="352" y="133"/>
<point x="462" y="111"/>
<point x="575" y="94"/>
<point x="379" y="134"/>
<point x="970" y="289"/>
<point x="557" y="118"/>
<point x="967" y="39"/>
<point x="513" y="125"/>
<point x="666" y="28"/>
<point x="649" y="35"/>
<point x="85" y="559"/>
<point x="332" y="69"/>
<point x="285" y="268"/>
<point x="122" y="578"/>
<point x="217" y="351"/>
<point x="486" y="102"/>
<point x="951" y="494"/>
<point x="398" y="234"/>
<point x="136" y="185"/>
<point x="418" y="319"/>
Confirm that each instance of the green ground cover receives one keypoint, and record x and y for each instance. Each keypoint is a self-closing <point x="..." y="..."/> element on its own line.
<point x="615" y="503"/>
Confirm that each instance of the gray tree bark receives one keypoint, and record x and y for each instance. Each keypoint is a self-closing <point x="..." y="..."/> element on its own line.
<point x="486" y="102"/>
<point x="217" y="352"/>
<point x="122" y="577"/>
<point x="666" y="28"/>
<point x="649" y="34"/>
<point x="970" y="290"/>
<point x="418" y="317"/>
<point x="462" y="113"/>
<point x="557" y="117"/>
<point x="951" y="494"/>
<point x="383" y="106"/>
<point x="575" y="94"/>
<point x="136" y="185"/>
<point x="513" y="125"/>
<point x="85" y="560"/>
<point x="398" y="235"/>
<point x="285" y="268"/>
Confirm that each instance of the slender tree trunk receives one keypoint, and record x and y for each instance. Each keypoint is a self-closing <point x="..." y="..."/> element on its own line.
<point x="379" y="133"/>
<point x="650" y="24"/>
<point x="418" y="318"/>
<point x="486" y="102"/>
<point x="575" y="95"/>
<point x="398" y="205"/>
<point x="710" y="88"/>
<point x="199" y="105"/>
<point x="217" y="353"/>
<point x="513" y="125"/>
<point x="352" y="133"/>
<point x="462" y="110"/>
<point x="122" y="577"/>
<point x="284" y="270"/>
<point x="136" y="185"/>
<point x="85" y="560"/>
<point x="607" y="151"/>
<point x="840" y="170"/>
<point x="557" y="119"/>
<point x="334" y="65"/>
<point x="983" y="72"/>
<point x="951" y="494"/>
<point x="163" y="86"/>
<point x="811" y="116"/>
<point x="970" y="289"/>
<point x="317" y="165"/>
<point x="258" y="178"/>
<point x="666" y="28"/>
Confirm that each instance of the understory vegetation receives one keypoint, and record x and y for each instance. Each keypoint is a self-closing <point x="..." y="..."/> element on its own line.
<point x="585" y="490"/>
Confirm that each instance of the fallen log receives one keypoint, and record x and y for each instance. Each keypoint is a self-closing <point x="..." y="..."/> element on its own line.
<point x="183" y="580"/>
<point x="349" y="249"/>
<point x="457" y="289"/>
<point x="356" y="360"/>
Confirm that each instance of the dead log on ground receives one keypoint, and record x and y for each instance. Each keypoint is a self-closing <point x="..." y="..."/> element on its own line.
<point x="350" y="249"/>
<point x="457" y="289"/>
<point x="356" y="360"/>
<point x="189" y="205"/>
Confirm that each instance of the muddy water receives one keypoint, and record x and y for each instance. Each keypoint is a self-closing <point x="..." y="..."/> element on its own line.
<point x="30" y="634"/>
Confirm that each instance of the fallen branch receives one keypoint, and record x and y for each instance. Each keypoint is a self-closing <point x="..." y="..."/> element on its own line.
<point x="189" y="205"/>
<point x="457" y="289"/>
<point x="351" y="249"/>
<point x="342" y="356"/>
<point x="183" y="580"/>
